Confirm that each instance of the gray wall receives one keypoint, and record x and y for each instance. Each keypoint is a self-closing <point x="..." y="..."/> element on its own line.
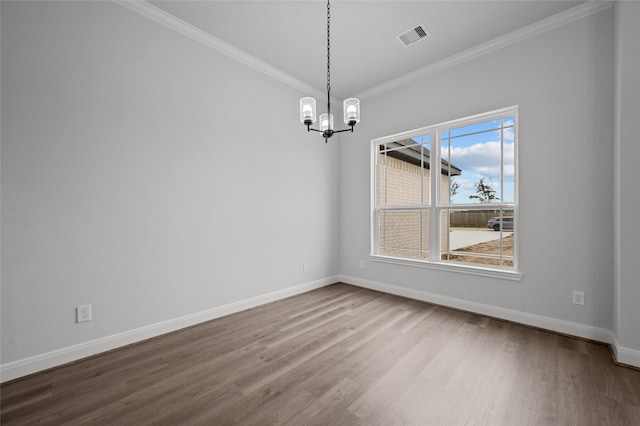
<point x="626" y="319"/>
<point x="147" y="175"/>
<point x="562" y="81"/>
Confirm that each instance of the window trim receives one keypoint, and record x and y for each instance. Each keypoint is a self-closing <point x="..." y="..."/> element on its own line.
<point x="435" y="207"/>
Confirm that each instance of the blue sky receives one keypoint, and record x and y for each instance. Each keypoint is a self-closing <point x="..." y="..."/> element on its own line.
<point x="478" y="155"/>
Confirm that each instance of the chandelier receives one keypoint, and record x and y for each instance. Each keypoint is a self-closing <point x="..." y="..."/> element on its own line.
<point x="351" y="106"/>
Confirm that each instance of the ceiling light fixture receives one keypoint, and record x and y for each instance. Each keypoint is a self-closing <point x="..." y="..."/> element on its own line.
<point x="351" y="106"/>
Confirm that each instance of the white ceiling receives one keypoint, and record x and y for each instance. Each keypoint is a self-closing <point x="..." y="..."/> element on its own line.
<point x="291" y="35"/>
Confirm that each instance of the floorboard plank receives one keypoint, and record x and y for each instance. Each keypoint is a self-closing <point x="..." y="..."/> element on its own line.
<point x="338" y="355"/>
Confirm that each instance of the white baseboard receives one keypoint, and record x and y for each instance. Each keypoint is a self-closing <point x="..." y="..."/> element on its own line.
<point x="24" y="367"/>
<point x="624" y="355"/>
<point x="34" y="364"/>
<point x="547" y="323"/>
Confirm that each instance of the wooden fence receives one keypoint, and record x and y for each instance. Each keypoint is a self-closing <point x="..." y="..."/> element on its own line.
<point x="474" y="218"/>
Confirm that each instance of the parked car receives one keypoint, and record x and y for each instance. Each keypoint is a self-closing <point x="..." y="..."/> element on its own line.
<point x="507" y="223"/>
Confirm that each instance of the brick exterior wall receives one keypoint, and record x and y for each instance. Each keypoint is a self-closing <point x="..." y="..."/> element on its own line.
<point x="402" y="231"/>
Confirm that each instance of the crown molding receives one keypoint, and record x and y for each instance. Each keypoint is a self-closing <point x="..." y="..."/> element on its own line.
<point x="158" y="15"/>
<point x="581" y="11"/>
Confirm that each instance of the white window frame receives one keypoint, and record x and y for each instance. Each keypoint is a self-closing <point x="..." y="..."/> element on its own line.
<point x="435" y="207"/>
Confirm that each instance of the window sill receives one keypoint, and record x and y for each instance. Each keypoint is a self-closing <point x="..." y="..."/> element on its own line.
<point x="442" y="266"/>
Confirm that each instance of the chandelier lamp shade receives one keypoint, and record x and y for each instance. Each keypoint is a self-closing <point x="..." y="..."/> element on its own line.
<point x="350" y="107"/>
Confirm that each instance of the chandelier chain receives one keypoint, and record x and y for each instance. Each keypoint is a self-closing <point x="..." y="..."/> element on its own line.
<point x="328" y="57"/>
<point x="308" y="104"/>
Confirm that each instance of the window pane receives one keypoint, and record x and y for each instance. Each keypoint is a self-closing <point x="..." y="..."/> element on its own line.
<point x="508" y="134"/>
<point x="475" y="128"/>
<point x="448" y="172"/>
<point x="425" y="234"/>
<point x="403" y="172"/>
<point x="479" y="236"/>
<point x="381" y="174"/>
<point x="402" y="233"/>
<point x="426" y="172"/>
<point x="445" y="234"/>
<point x="472" y="162"/>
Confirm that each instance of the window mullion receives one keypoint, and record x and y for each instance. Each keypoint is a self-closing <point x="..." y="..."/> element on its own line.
<point x="501" y="249"/>
<point x="502" y="160"/>
<point x="434" y="215"/>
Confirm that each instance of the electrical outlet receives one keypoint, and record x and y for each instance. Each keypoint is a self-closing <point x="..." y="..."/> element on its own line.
<point x="362" y="264"/>
<point x="83" y="313"/>
<point x="578" y="297"/>
<point x="305" y="267"/>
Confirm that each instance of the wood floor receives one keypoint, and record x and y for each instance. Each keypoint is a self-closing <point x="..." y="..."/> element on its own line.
<point x="339" y="355"/>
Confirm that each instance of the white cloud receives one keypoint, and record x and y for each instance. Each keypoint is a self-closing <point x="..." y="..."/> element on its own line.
<point x="483" y="159"/>
<point x="465" y="183"/>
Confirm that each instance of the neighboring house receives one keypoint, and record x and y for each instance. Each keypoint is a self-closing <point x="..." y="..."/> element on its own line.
<point x="407" y="165"/>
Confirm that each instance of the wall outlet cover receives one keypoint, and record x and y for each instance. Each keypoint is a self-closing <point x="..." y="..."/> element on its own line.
<point x="578" y="297"/>
<point x="83" y="313"/>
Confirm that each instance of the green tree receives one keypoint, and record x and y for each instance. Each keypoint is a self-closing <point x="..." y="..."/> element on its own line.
<point x="453" y="188"/>
<point x="484" y="192"/>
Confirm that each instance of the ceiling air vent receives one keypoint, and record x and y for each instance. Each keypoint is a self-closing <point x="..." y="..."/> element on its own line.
<point x="413" y="35"/>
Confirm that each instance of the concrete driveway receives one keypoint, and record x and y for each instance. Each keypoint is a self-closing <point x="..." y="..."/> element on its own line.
<point x="465" y="237"/>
